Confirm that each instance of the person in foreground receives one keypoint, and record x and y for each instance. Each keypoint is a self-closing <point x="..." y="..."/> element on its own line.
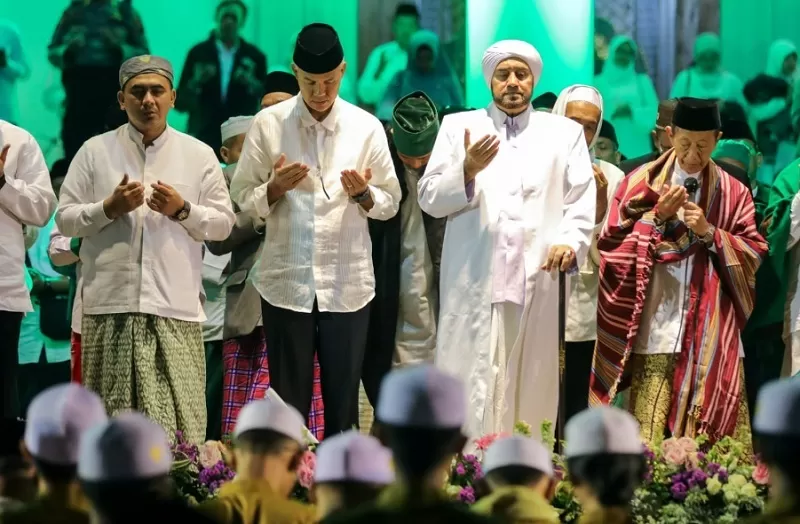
<point x="679" y="255"/>
<point x="606" y="463"/>
<point x="315" y="168"/>
<point x="351" y="471"/>
<point x="509" y="230"/>
<point x="55" y="422"/>
<point x="420" y="411"/>
<point x="141" y="265"/>
<point x="123" y="468"/>
<point x="518" y="472"/>
<point x="776" y="429"/>
<point x="268" y="445"/>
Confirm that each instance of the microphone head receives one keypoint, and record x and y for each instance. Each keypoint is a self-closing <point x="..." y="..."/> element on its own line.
<point x="691" y="185"/>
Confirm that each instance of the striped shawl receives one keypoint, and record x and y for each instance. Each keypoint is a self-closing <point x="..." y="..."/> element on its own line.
<point x="706" y="384"/>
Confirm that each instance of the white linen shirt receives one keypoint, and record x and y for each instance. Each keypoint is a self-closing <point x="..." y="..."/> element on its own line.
<point x="315" y="247"/>
<point x="61" y="254"/>
<point x="144" y="262"/>
<point x="26" y="198"/>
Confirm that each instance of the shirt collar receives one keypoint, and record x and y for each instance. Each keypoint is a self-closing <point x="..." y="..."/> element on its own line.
<point x="138" y="138"/>
<point x="222" y="49"/>
<point x="306" y="120"/>
<point x="515" y="124"/>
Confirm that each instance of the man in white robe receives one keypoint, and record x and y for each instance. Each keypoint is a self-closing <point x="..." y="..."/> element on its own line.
<point x="520" y="203"/>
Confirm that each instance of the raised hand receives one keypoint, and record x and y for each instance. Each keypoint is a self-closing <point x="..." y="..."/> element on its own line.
<point x="165" y="199"/>
<point x="695" y="219"/>
<point x="670" y="201"/>
<point x="355" y="184"/>
<point x="478" y="155"/>
<point x="126" y="197"/>
<point x="287" y="176"/>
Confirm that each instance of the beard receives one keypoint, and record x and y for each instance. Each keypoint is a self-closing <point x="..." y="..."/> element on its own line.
<point x="514" y="100"/>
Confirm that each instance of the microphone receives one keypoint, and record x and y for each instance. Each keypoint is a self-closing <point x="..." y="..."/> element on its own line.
<point x="691" y="185"/>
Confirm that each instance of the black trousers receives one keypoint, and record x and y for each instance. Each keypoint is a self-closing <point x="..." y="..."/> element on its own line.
<point x="577" y="371"/>
<point x="763" y="359"/>
<point x="214" y="379"/>
<point x="339" y="341"/>
<point x="10" y="322"/>
<point x="35" y="378"/>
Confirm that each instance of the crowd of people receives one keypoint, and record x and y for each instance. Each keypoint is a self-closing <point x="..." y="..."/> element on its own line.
<point x="310" y="247"/>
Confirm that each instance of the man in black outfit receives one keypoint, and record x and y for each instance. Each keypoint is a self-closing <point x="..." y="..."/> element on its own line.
<point x="223" y="76"/>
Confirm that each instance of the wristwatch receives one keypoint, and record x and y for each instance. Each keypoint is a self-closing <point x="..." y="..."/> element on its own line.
<point x="183" y="214"/>
<point x="361" y="197"/>
<point x="708" y="238"/>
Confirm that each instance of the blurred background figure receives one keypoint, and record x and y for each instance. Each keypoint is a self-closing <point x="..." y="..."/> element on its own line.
<point x="13" y="68"/>
<point x="705" y="78"/>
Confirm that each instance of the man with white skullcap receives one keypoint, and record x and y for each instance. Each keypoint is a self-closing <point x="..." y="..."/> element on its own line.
<point x="143" y="198"/>
<point x="420" y="412"/>
<point x="56" y="420"/>
<point x="517" y="188"/>
<point x="605" y="459"/>
<point x="776" y="430"/>
<point x="123" y="468"/>
<point x="584" y="105"/>
<point x="518" y="473"/>
<point x="315" y="168"/>
<point x="351" y="471"/>
<point x="268" y="446"/>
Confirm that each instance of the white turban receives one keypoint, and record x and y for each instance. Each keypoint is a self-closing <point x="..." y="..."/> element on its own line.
<point x="505" y="49"/>
<point x="234" y="126"/>
<point x="580" y="93"/>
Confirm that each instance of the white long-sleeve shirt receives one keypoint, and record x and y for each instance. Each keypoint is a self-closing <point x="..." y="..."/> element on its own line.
<point x="144" y="262"/>
<point x="63" y="251"/>
<point x="316" y="247"/>
<point x="26" y="198"/>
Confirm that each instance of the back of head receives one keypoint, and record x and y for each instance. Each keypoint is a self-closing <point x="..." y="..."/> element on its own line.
<point x="421" y="411"/>
<point x="605" y="453"/>
<point x="517" y="461"/>
<point x="776" y="426"/>
<point x="666" y="108"/>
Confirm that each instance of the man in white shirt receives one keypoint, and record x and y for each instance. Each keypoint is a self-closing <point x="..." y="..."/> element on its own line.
<point x="517" y="189"/>
<point x="316" y="167"/>
<point x="142" y="340"/>
<point x="26" y="199"/>
<point x="13" y="68"/>
<point x="388" y="59"/>
<point x="584" y="105"/>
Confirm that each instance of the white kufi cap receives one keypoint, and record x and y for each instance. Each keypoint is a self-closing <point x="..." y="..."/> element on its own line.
<point x="580" y="93"/>
<point x="353" y="457"/>
<point x="518" y="451"/>
<point x="235" y="125"/>
<point x="600" y="431"/>
<point x="269" y="414"/>
<point x="422" y="396"/>
<point x="127" y="447"/>
<point x="505" y="49"/>
<point x="778" y="408"/>
<point x="56" y="420"/>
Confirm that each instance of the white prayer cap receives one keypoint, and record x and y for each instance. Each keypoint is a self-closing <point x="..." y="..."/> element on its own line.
<point x="518" y="451"/>
<point x="235" y="125"/>
<point x="505" y="49"/>
<point x="422" y="396"/>
<point x="353" y="457"/>
<point x="129" y="446"/>
<point x="275" y="416"/>
<point x="602" y="430"/>
<point x="778" y="408"/>
<point x="580" y="93"/>
<point x="56" y="420"/>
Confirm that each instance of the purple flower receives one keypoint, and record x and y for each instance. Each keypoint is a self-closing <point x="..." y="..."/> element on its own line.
<point x="723" y="475"/>
<point x="701" y="456"/>
<point x="713" y="469"/>
<point x="678" y="491"/>
<point x="460" y="470"/>
<point x="699" y="476"/>
<point x="467" y="495"/>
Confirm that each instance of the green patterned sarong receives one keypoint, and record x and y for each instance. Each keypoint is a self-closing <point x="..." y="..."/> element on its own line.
<point x="150" y="364"/>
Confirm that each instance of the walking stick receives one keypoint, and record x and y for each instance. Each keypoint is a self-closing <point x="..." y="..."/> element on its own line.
<point x="562" y="350"/>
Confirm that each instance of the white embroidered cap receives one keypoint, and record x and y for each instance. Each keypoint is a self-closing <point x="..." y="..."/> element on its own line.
<point x="353" y="457"/>
<point x="422" y="396"/>
<point x="778" y="408"/>
<point x="602" y="430"/>
<point x="267" y="413"/>
<point x="518" y="451"/>
<point x="129" y="446"/>
<point x="57" y="419"/>
<point x="234" y="126"/>
<point x="505" y="49"/>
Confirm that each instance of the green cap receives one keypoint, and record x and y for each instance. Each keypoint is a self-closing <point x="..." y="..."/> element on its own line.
<point x="415" y="124"/>
<point x="735" y="149"/>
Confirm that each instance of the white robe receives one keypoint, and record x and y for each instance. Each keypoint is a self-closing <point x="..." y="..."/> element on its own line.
<point x="558" y="192"/>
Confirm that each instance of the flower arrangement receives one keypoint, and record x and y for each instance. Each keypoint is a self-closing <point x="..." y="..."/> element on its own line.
<point x="199" y="471"/>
